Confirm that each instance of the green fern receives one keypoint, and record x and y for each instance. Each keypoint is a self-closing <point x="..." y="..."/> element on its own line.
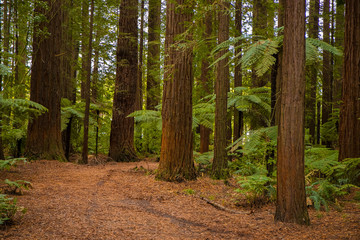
<point x="21" y="105"/>
<point x="9" y="163"/>
<point x="320" y="162"/>
<point x="17" y="186"/>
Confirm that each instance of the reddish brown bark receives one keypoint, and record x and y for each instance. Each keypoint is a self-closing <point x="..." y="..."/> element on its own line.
<point x="291" y="197"/>
<point x="349" y="129"/>
<point x="122" y="127"/>
<point x="176" y="158"/>
<point x="221" y="88"/>
<point x="44" y="136"/>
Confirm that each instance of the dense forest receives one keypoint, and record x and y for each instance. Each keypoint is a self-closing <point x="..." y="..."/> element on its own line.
<point x="266" y="92"/>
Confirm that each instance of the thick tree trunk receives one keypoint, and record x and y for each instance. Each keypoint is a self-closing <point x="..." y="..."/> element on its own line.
<point x="153" y="60"/>
<point x="326" y="99"/>
<point x="349" y="129"/>
<point x="221" y="88"/>
<point x="291" y="197"/>
<point x="85" y="150"/>
<point x="122" y="127"/>
<point x="206" y="82"/>
<point x="44" y="132"/>
<point x="176" y="158"/>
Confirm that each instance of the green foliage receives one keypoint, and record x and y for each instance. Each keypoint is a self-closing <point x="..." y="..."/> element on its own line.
<point x="204" y="161"/>
<point x="320" y="162"/>
<point x="329" y="130"/>
<point x="8" y="209"/>
<point x="257" y="188"/>
<point x="22" y="106"/>
<point x="9" y="163"/>
<point x="322" y="192"/>
<point x="348" y="171"/>
<point x="189" y="191"/>
<point x="16" y="187"/>
<point x="312" y="52"/>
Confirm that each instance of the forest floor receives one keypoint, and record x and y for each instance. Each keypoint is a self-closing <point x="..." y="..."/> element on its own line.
<point x="124" y="201"/>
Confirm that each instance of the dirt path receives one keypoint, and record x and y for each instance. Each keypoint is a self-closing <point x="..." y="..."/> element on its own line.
<point x="114" y="201"/>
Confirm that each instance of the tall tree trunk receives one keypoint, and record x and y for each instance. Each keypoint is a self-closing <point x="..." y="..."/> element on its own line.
<point x="84" y="45"/>
<point x="221" y="88"/>
<point x="339" y="43"/>
<point x="206" y="82"/>
<point x="153" y="60"/>
<point x="238" y="115"/>
<point x="349" y="129"/>
<point x="311" y="100"/>
<point x="87" y="89"/>
<point x="326" y="99"/>
<point x="2" y="156"/>
<point x="122" y="127"/>
<point x="176" y="158"/>
<point x="44" y="132"/>
<point x="291" y="197"/>
<point x="139" y="95"/>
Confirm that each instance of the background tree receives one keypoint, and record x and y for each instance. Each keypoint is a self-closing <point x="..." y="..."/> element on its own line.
<point x="176" y="158"/>
<point x="87" y="89"/>
<point x="221" y="88"/>
<point x="153" y="59"/>
<point x="122" y="127"/>
<point x="349" y="137"/>
<point x="291" y="197"/>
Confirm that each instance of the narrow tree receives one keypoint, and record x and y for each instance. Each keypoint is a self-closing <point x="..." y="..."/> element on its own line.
<point x="311" y="100"/>
<point x="221" y="87"/>
<point x="326" y="83"/>
<point x="44" y="136"/>
<point x="153" y="60"/>
<point x="349" y="129"/>
<point x="238" y="115"/>
<point x="206" y="83"/>
<point x="291" y="197"/>
<point x="87" y="89"/>
<point x="139" y="94"/>
<point x="176" y="158"/>
<point x="122" y="127"/>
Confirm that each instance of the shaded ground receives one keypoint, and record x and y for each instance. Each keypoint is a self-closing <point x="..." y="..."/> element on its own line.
<point x="120" y="201"/>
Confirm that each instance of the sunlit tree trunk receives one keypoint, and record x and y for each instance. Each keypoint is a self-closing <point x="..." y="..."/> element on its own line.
<point x="122" y="127"/>
<point x="176" y="158"/>
<point x="349" y="129"/>
<point x="44" y="132"/>
<point x="219" y="167"/>
<point x="291" y="197"/>
<point x="139" y="94"/>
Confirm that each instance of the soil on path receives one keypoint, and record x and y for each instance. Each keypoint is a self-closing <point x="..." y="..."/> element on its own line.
<point x="122" y="201"/>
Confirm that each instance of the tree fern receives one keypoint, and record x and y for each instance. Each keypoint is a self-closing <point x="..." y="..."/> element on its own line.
<point x="21" y="105"/>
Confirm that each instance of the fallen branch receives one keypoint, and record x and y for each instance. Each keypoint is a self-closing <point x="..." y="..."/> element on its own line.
<point x="220" y="207"/>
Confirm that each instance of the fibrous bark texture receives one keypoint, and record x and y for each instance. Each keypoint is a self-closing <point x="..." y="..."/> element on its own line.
<point x="221" y="87"/>
<point x="176" y="158"/>
<point x="349" y="132"/>
<point x="291" y="198"/>
<point x="122" y="127"/>
<point x="44" y="132"/>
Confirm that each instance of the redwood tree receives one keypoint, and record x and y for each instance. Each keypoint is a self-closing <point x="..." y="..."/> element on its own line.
<point x="122" y="127"/>
<point x="291" y="197"/>
<point x="176" y="158"/>
<point x="221" y="87"/>
<point x="349" y="129"/>
<point x="44" y="132"/>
